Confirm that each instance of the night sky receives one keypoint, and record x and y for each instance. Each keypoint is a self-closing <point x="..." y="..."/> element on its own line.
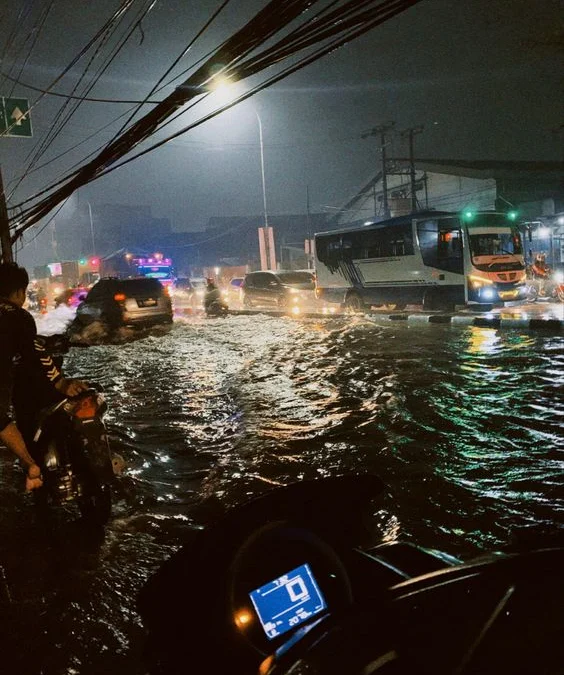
<point x="484" y="77"/>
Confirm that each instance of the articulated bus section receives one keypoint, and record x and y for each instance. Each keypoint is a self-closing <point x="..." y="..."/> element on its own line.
<point x="435" y="259"/>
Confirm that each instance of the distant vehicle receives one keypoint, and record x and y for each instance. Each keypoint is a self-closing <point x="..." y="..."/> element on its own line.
<point x="182" y="288"/>
<point x="232" y="292"/>
<point x="156" y="267"/>
<point x="120" y="302"/>
<point x="283" y="290"/>
<point x="71" y="297"/>
<point x="124" y="265"/>
<point x="437" y="259"/>
<point x="199" y="285"/>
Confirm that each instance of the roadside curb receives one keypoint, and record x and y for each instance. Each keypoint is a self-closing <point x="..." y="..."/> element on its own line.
<point x="489" y="321"/>
<point x="553" y="325"/>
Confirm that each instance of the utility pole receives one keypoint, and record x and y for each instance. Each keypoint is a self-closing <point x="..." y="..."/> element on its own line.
<point x="309" y="248"/>
<point x="381" y="131"/>
<point x="410" y="133"/>
<point x="7" y="255"/>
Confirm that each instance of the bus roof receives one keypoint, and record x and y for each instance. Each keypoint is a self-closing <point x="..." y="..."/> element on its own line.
<point x="397" y="220"/>
<point x="400" y="220"/>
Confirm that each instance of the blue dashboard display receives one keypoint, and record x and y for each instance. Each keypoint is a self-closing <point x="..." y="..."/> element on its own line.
<point x="286" y="602"/>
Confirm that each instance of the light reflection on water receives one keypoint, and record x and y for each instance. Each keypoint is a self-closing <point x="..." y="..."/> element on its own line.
<point x="464" y="424"/>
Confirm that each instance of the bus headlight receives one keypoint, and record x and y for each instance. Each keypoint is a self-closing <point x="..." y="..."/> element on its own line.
<point x="479" y="282"/>
<point x="487" y="293"/>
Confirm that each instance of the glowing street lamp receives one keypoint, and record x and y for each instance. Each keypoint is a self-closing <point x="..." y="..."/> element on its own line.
<point x="226" y="92"/>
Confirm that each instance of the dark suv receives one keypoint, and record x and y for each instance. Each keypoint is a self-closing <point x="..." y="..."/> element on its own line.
<point x="123" y="302"/>
<point x="284" y="290"/>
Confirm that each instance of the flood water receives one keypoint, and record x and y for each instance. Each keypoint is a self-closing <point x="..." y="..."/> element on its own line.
<point x="463" y="423"/>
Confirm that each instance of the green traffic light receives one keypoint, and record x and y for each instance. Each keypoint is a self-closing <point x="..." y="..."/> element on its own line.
<point x="82" y="261"/>
<point x="468" y="215"/>
<point x="512" y="215"/>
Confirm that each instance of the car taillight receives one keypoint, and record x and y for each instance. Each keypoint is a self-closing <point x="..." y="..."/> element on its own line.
<point x="119" y="297"/>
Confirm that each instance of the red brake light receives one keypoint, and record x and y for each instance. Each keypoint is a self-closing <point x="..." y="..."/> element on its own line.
<point x="86" y="408"/>
<point x="119" y="297"/>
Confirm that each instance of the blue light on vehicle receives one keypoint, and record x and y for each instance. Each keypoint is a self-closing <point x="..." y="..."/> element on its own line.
<point x="286" y="602"/>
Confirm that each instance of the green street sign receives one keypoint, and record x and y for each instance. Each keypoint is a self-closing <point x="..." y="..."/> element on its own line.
<point x="15" y="118"/>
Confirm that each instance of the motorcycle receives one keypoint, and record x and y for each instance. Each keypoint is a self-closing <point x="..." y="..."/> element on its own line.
<point x="217" y="308"/>
<point x="287" y="584"/>
<point x="71" y="447"/>
<point x="548" y="288"/>
<point x="558" y="289"/>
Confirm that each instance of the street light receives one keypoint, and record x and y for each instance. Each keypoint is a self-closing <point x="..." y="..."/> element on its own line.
<point x="225" y="91"/>
<point x="266" y="238"/>
<point x="262" y="169"/>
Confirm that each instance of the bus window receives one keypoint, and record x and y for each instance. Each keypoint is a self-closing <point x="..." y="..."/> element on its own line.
<point x="441" y="245"/>
<point x="328" y="250"/>
<point x="386" y="242"/>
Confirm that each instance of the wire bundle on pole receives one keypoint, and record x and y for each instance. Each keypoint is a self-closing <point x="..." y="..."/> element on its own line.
<point x="237" y="58"/>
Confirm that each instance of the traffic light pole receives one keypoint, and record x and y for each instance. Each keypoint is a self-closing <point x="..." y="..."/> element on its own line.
<point x="5" y="239"/>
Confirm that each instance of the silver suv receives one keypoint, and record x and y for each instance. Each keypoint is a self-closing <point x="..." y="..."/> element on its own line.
<point x="126" y="302"/>
<point x="286" y="290"/>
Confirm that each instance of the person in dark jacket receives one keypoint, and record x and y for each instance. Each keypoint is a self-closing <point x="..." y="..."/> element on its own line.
<point x="20" y="348"/>
<point x="212" y="299"/>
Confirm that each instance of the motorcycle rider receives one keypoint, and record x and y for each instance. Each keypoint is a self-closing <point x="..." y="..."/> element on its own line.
<point x="212" y="296"/>
<point x="541" y="272"/>
<point x="19" y="344"/>
<point x="540" y="269"/>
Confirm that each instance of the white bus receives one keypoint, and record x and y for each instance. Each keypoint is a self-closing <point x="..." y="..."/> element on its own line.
<point x="432" y="258"/>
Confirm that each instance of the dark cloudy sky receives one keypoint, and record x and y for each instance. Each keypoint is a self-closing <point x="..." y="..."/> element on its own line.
<point x="483" y="76"/>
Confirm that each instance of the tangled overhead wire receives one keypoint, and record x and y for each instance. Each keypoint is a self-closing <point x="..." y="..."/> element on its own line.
<point x="305" y="37"/>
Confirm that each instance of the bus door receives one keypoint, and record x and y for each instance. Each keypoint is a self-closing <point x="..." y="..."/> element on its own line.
<point x="449" y="249"/>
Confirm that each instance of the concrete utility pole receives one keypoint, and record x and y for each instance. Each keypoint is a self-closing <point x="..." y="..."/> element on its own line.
<point x="381" y="131"/>
<point x="410" y="133"/>
<point x="7" y="255"/>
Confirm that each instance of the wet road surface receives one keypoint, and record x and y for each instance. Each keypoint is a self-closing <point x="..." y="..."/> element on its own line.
<point x="463" y="423"/>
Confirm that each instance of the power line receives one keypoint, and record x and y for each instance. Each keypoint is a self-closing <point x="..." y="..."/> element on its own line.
<point x="84" y="99"/>
<point x="270" y="20"/>
<point x="315" y="56"/>
<point x="62" y="120"/>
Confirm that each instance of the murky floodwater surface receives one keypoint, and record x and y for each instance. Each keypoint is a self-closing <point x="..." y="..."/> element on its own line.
<point x="464" y="424"/>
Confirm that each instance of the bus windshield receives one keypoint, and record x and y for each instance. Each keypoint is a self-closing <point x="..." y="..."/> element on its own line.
<point x="494" y="242"/>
